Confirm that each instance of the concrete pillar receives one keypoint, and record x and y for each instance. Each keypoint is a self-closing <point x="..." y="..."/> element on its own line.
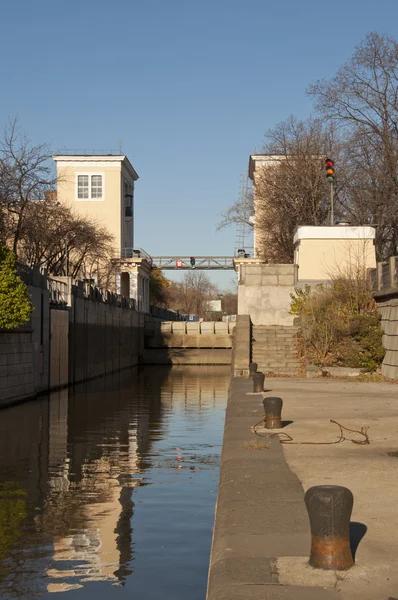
<point x="134" y="285"/>
<point x="117" y="281"/>
<point x="137" y="287"/>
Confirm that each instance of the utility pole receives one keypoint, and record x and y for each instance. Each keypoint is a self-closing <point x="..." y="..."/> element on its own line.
<point x="331" y="204"/>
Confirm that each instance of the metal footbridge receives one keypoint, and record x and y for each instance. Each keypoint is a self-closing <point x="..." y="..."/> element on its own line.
<point x="178" y="263"/>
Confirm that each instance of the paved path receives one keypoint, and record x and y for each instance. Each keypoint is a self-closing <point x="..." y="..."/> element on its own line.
<point x="260" y="516"/>
<point x="370" y="472"/>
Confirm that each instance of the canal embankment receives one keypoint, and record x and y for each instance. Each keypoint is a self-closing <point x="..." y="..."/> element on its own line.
<point x="260" y="512"/>
<point x="261" y="541"/>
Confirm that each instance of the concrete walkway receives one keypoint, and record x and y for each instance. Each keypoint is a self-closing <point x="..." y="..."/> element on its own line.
<point x="370" y="472"/>
<point x="260" y="515"/>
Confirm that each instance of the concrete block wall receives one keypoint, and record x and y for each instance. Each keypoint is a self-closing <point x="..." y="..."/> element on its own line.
<point x="17" y="375"/>
<point x="186" y="334"/>
<point x="89" y="338"/>
<point x="103" y="338"/>
<point x="24" y="353"/>
<point x="59" y="348"/>
<point x="389" y="320"/>
<point x="264" y="292"/>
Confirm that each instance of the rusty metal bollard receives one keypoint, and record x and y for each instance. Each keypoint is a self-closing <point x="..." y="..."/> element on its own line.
<point x="273" y="412"/>
<point x="252" y="368"/>
<point x="329" y="509"/>
<point x="258" y="382"/>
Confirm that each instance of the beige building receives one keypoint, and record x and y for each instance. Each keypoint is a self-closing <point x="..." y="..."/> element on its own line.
<point x="257" y="164"/>
<point x="321" y="252"/>
<point x="101" y="187"/>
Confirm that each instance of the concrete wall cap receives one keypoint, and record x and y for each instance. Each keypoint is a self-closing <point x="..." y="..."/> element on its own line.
<point x="334" y="233"/>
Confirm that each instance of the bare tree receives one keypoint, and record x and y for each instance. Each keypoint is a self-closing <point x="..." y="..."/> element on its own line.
<point x="54" y="237"/>
<point x="292" y="190"/>
<point x="41" y="231"/>
<point x="362" y="99"/>
<point x="193" y="293"/>
<point x="26" y="175"/>
<point x="241" y="211"/>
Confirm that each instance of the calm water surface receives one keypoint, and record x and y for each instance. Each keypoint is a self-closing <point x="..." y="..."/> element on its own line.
<point x="108" y="491"/>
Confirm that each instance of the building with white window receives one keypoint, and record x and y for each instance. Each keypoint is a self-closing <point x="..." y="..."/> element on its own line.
<point x="101" y="187"/>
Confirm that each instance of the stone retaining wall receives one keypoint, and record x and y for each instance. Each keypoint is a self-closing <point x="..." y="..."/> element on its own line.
<point x="17" y="379"/>
<point x="264" y="292"/>
<point x="185" y="334"/>
<point x="389" y="320"/>
<point x="103" y="337"/>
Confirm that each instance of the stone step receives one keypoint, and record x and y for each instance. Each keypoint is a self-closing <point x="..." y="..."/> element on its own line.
<point x="266" y="360"/>
<point x="281" y="371"/>
<point x="277" y="361"/>
<point x="289" y="330"/>
<point x="271" y="347"/>
<point x="275" y="355"/>
<point x="275" y="328"/>
<point x="275" y="340"/>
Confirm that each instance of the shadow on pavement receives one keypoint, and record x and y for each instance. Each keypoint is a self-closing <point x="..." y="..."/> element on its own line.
<point x="357" y="532"/>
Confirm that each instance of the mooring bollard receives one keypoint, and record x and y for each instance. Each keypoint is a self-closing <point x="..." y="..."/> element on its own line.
<point x="252" y="368"/>
<point x="273" y="412"/>
<point x="329" y="509"/>
<point x="258" y="382"/>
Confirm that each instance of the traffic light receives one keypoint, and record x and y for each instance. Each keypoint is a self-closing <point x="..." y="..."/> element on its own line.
<point x="192" y="261"/>
<point x="329" y="170"/>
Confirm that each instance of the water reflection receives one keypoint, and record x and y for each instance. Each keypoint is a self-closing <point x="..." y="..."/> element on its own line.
<point x="113" y="482"/>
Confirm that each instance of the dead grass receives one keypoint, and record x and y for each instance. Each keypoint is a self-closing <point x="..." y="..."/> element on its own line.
<point x="254" y="445"/>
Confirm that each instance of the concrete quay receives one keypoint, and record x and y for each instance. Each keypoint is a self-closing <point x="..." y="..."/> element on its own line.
<point x="260" y="513"/>
<point x="261" y="539"/>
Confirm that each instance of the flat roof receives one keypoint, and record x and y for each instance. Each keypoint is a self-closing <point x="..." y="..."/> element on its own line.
<point x="338" y="232"/>
<point x="94" y="157"/>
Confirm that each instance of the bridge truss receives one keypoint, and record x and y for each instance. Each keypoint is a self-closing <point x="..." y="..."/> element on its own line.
<point x="179" y="263"/>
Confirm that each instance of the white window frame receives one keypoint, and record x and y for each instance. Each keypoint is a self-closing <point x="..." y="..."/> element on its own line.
<point x="89" y="174"/>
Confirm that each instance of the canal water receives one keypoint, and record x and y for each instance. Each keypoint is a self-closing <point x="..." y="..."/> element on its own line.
<point x="108" y="490"/>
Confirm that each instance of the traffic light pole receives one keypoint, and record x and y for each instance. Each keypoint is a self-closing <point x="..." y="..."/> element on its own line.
<point x="331" y="204"/>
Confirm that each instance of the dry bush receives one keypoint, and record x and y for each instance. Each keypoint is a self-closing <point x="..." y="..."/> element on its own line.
<point x="340" y="322"/>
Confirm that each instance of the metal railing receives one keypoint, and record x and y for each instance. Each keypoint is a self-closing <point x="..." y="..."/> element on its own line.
<point x="201" y="262"/>
<point x="133" y="253"/>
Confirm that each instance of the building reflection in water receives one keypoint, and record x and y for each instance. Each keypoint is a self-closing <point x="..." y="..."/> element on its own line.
<point x="73" y="461"/>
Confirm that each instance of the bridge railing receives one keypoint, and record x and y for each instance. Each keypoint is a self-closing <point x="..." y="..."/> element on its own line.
<point x="200" y="262"/>
<point x="133" y="253"/>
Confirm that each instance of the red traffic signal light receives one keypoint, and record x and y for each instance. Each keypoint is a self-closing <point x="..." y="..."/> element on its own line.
<point x="329" y="170"/>
<point x="192" y="261"/>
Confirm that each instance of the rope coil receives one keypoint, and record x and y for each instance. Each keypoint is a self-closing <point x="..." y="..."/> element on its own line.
<point x="289" y="440"/>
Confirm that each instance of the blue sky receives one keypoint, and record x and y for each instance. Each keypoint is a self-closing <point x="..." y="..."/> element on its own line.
<point x="188" y="88"/>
